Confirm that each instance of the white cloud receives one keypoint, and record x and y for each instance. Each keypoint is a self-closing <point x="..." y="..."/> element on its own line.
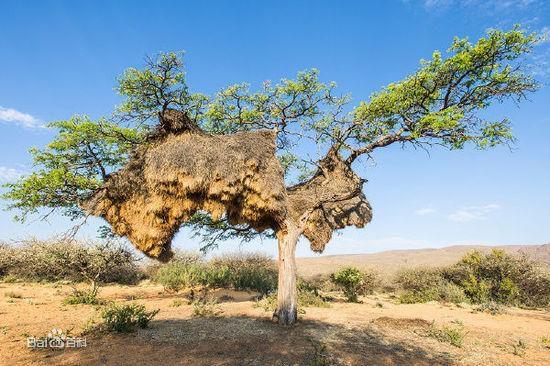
<point x="23" y="119"/>
<point x="425" y="211"/>
<point x="429" y="4"/>
<point x="495" y="5"/>
<point x="471" y="213"/>
<point x="9" y="174"/>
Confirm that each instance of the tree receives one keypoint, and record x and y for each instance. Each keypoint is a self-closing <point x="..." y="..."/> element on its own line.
<point x="439" y="104"/>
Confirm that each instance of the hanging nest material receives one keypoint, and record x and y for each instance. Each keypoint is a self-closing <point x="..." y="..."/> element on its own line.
<point x="183" y="170"/>
<point x="333" y="199"/>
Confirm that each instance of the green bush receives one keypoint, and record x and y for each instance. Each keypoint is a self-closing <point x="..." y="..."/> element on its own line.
<point x="240" y="272"/>
<point x="501" y="277"/>
<point x="253" y="272"/>
<point x="307" y="297"/>
<point x="126" y="318"/>
<point x="353" y="282"/>
<point x="480" y="278"/>
<point x="175" y="275"/>
<point x="418" y="279"/>
<point x="453" y="335"/>
<point x="86" y="297"/>
<point x="441" y="291"/>
<point x="206" y="308"/>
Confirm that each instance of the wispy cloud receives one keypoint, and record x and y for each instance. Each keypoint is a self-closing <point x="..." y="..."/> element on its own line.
<point x="425" y="211"/>
<point x="493" y="7"/>
<point x="471" y="213"/>
<point x="11" y="115"/>
<point x="9" y="174"/>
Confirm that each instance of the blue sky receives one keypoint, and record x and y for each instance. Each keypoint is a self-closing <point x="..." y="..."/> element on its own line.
<point x="60" y="58"/>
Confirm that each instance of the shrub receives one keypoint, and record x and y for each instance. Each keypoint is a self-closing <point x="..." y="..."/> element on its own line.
<point x="353" y="282"/>
<point x="453" y="335"/>
<point x="502" y="278"/>
<point x="254" y="272"/>
<point x="177" y="275"/>
<point x="87" y="297"/>
<point x="206" y="308"/>
<point x="440" y="290"/>
<point x="491" y="307"/>
<point x="418" y="279"/>
<point x="64" y="259"/>
<point x="181" y="256"/>
<point x="177" y="303"/>
<point x="308" y="296"/>
<point x="519" y="348"/>
<point x="5" y="257"/>
<point x="125" y="318"/>
<point x="242" y="272"/>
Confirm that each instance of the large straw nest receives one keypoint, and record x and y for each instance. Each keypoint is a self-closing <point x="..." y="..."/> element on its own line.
<point x="178" y="174"/>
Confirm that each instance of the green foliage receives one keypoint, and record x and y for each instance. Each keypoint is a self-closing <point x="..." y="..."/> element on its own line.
<point x="442" y="291"/>
<point x="244" y="272"/>
<point x="320" y="355"/>
<point x="240" y="272"/>
<point x="437" y="105"/>
<point x="126" y="318"/>
<point x="86" y="297"/>
<point x="160" y="86"/>
<point x="175" y="276"/>
<point x="418" y="279"/>
<point x="502" y="278"/>
<point x="206" y="308"/>
<point x="177" y="303"/>
<point x="354" y="282"/>
<point x="72" y="166"/>
<point x="496" y="277"/>
<point x="453" y="335"/>
<point x="519" y="348"/>
<point x="440" y="102"/>
<point x="308" y="296"/>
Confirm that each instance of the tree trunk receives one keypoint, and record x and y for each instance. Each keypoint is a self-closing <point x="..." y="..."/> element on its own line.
<point x="287" y="302"/>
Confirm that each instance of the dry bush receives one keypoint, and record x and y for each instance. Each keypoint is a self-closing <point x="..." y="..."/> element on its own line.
<point x="421" y="285"/>
<point x="54" y="260"/>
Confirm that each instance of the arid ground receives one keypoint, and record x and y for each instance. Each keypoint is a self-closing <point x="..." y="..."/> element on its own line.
<point x="376" y="332"/>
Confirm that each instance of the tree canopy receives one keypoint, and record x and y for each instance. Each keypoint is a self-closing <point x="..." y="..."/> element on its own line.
<point x="439" y="104"/>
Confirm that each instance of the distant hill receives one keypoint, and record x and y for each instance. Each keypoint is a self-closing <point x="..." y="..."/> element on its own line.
<point x="389" y="262"/>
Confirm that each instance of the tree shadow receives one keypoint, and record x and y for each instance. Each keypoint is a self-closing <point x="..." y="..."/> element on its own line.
<point x="248" y="340"/>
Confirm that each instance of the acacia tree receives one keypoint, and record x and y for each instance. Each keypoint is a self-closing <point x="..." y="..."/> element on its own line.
<point x="318" y="139"/>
